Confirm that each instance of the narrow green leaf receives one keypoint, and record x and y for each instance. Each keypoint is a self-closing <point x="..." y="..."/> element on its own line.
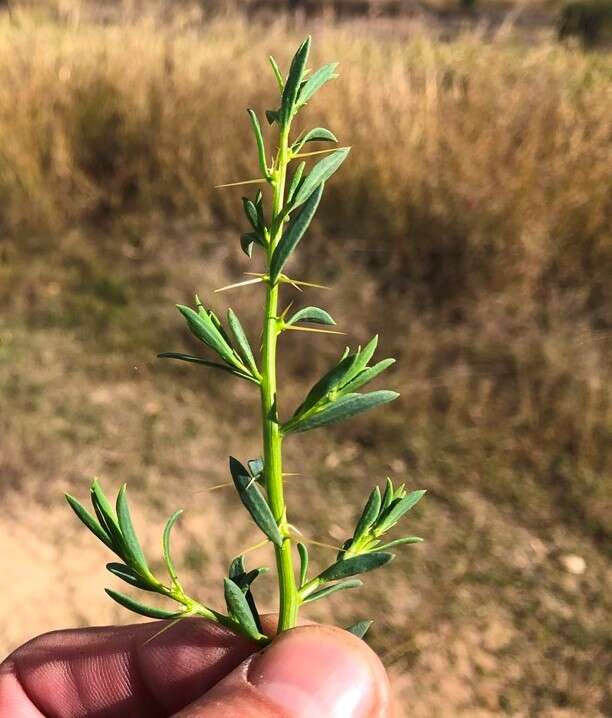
<point x="315" y="82"/>
<point x="140" y="608"/>
<point x="400" y="542"/>
<point x="294" y="79"/>
<point x="367" y="375"/>
<point x="355" y="565"/>
<point x="303" y="552"/>
<point x="294" y="233"/>
<point x="166" y="544"/>
<point x="369" y="514"/>
<point x="105" y="506"/>
<point x="277" y="73"/>
<point x="208" y="314"/>
<point x="128" y="532"/>
<point x="90" y="521"/>
<point x="387" y="496"/>
<point x="397" y="509"/>
<point x="319" y="174"/>
<point x="343" y="408"/>
<point x="206" y="362"/>
<point x="127" y="574"/>
<point x="251" y="212"/>
<point x="204" y="328"/>
<point x="328" y="590"/>
<point x="295" y="182"/>
<point x="106" y="517"/>
<point x="254" y="501"/>
<point x="239" y="608"/>
<point x="318" y="134"/>
<point x="362" y="358"/>
<point x="261" y="148"/>
<point x="242" y="341"/>
<point x="360" y="628"/>
<point x="311" y="314"/>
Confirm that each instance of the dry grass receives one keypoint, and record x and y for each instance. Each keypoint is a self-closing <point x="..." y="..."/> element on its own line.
<point x="471" y="226"/>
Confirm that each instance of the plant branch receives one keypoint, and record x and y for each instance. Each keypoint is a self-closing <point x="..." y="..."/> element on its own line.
<point x="272" y="438"/>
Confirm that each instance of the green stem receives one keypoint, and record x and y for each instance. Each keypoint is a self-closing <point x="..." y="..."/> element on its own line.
<point x="272" y="438"/>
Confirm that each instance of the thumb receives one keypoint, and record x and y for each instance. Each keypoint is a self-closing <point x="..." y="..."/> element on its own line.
<point x="306" y="672"/>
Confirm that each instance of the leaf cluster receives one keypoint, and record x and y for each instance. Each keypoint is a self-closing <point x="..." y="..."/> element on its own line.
<point x="365" y="550"/>
<point x="234" y="351"/>
<point x="305" y="189"/>
<point x="336" y="397"/>
<point x="114" y="527"/>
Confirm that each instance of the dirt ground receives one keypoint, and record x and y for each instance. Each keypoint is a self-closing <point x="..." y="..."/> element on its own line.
<point x="504" y="610"/>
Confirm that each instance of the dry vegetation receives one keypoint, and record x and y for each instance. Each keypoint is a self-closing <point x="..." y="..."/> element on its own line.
<point x="476" y="216"/>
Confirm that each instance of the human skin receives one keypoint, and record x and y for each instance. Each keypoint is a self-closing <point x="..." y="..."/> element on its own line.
<point x="194" y="669"/>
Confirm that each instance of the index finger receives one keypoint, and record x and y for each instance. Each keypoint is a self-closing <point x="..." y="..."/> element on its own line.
<point x="114" y="672"/>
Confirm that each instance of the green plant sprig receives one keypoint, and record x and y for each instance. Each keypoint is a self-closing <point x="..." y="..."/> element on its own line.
<point x="114" y="527"/>
<point x="295" y="196"/>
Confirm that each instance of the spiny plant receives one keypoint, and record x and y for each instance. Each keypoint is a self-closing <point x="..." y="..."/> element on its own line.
<point x="295" y="196"/>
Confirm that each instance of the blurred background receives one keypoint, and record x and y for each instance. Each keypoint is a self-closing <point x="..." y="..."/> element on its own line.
<point x="470" y="227"/>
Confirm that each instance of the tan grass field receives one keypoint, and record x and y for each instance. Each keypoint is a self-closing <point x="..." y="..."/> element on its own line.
<point x="470" y="226"/>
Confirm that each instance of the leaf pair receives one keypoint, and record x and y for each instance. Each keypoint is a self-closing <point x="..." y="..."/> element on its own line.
<point x="293" y="83"/>
<point x="205" y="325"/>
<point x="362" y="553"/>
<point x="338" y="576"/>
<point x="334" y="398"/>
<point x="311" y="590"/>
<point x="239" y="599"/>
<point x="114" y="527"/>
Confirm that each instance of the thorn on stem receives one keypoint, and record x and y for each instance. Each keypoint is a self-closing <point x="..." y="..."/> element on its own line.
<point x="237" y="184"/>
<point x="239" y="284"/>
<point x="296" y="282"/>
<point x="167" y="627"/>
<point x="293" y="328"/>
<point x="254" y="547"/>
<point x="304" y="539"/>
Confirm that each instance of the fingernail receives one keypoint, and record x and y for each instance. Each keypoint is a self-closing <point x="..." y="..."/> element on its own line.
<point x="316" y="671"/>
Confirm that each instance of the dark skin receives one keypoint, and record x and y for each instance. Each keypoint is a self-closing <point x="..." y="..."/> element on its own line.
<point x="195" y="669"/>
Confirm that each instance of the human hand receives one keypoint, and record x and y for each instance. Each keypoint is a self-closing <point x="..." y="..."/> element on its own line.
<point x="196" y="669"/>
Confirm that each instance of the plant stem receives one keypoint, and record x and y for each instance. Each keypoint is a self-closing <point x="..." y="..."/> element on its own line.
<point x="272" y="439"/>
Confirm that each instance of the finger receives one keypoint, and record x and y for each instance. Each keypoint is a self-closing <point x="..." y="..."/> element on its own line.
<point x="117" y="672"/>
<point x="309" y="671"/>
